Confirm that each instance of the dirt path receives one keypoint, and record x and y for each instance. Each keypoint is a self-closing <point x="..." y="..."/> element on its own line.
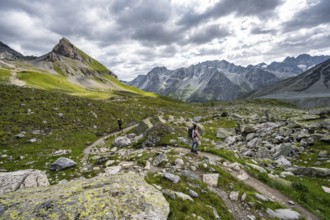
<point x="100" y="141"/>
<point x="255" y="184"/>
<point x="14" y="80"/>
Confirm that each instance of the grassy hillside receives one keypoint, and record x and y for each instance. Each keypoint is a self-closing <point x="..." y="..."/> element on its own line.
<point x="59" y="121"/>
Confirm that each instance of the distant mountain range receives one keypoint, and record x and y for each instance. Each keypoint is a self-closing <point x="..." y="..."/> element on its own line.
<point x="221" y="80"/>
<point x="311" y="88"/>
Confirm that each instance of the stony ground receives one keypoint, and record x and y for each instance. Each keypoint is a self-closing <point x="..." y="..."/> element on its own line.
<point x="237" y="147"/>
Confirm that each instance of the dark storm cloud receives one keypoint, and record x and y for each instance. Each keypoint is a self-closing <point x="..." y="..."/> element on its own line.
<point x="310" y="17"/>
<point x="258" y="8"/>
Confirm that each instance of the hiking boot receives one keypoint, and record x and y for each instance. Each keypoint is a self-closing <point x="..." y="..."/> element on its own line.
<point x="196" y="152"/>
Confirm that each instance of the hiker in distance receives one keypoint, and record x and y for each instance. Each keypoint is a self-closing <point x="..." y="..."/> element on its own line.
<point x="120" y="123"/>
<point x="195" y="139"/>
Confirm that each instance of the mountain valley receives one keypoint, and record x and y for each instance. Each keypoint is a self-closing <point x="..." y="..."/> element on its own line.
<point x="62" y="155"/>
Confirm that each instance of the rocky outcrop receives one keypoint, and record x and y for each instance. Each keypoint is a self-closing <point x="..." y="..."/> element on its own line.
<point x="123" y="196"/>
<point x="12" y="181"/>
<point x="311" y="171"/>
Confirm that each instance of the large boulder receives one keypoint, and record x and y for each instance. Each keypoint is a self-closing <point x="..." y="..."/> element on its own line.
<point x="12" y="181"/>
<point x="61" y="164"/>
<point x="123" y="196"/>
<point x="143" y="127"/>
<point x="122" y="141"/>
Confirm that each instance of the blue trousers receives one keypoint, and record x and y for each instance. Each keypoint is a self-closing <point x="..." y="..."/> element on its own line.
<point x="194" y="145"/>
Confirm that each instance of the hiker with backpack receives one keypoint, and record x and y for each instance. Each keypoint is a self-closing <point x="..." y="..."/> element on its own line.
<point x="120" y="123"/>
<point x="195" y="138"/>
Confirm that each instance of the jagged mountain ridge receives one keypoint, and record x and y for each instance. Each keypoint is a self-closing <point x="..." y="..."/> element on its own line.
<point x="187" y="84"/>
<point x="308" y="89"/>
<point x="293" y="66"/>
<point x="8" y="53"/>
<point x="210" y="80"/>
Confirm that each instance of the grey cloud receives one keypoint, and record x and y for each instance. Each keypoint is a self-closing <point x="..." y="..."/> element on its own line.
<point x="140" y="12"/>
<point x="204" y="51"/>
<point x="311" y="17"/>
<point x="207" y="34"/>
<point x="258" y="30"/>
<point x="156" y="35"/>
<point x="259" y="8"/>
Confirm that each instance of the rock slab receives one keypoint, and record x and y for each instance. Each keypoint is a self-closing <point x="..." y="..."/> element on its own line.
<point x="124" y="196"/>
<point x="283" y="214"/>
<point x="61" y="164"/>
<point x="12" y="181"/>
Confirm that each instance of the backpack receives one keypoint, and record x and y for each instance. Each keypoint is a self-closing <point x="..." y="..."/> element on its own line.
<point x="190" y="130"/>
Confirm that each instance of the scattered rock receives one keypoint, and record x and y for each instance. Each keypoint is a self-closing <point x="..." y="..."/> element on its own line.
<point x="122" y="142"/>
<point x="61" y="164"/>
<point x="183" y="196"/>
<point x="112" y="170"/>
<point x="179" y="162"/>
<point x="61" y="152"/>
<point x="12" y="181"/>
<point x="126" y="164"/>
<point x="282" y="161"/>
<point x="222" y="133"/>
<point x="283" y="214"/>
<point x="192" y="193"/>
<point x="109" y="163"/>
<point x="32" y="140"/>
<point x="20" y="135"/>
<point x="197" y="118"/>
<point x="215" y="213"/>
<point x="233" y="196"/>
<point x="262" y="197"/>
<point x="326" y="189"/>
<point x="189" y="175"/>
<point x="211" y="179"/>
<point x="169" y="193"/>
<point x="159" y="159"/>
<point x="243" y="176"/>
<point x="323" y="155"/>
<point x="326" y="139"/>
<point x="171" y="177"/>
<point x="283" y="150"/>
<point x="311" y="171"/>
<point x="147" y="166"/>
<point x="248" y="129"/>
<point x="256" y="167"/>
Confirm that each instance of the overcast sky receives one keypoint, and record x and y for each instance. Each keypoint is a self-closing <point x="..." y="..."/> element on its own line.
<point x="131" y="37"/>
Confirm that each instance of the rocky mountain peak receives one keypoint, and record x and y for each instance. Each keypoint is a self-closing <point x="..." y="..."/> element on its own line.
<point x="67" y="49"/>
